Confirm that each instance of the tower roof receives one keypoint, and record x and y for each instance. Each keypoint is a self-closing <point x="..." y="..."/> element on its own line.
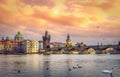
<point x="68" y="38"/>
<point x="18" y="35"/>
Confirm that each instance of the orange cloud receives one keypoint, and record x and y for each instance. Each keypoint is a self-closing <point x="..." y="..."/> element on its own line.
<point x="58" y="19"/>
<point x="84" y="20"/>
<point x="104" y="4"/>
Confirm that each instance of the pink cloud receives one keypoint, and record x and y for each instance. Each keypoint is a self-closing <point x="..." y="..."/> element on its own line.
<point x="84" y="4"/>
<point x="48" y="3"/>
<point x="31" y="26"/>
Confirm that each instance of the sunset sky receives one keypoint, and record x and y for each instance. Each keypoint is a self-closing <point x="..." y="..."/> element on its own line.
<point x="89" y="21"/>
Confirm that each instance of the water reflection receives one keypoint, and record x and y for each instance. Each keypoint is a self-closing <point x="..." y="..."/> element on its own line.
<point x="46" y="66"/>
<point x="69" y="66"/>
<point x="58" y="65"/>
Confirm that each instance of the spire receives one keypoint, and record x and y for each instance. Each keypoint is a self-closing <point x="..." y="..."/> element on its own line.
<point x="2" y="38"/>
<point x="68" y="36"/>
<point x="68" y="41"/>
<point x="7" y="38"/>
<point x="119" y="43"/>
<point x="46" y="33"/>
<point x="18" y="32"/>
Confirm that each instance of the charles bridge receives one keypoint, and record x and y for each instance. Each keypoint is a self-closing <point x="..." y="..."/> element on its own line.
<point x="98" y="48"/>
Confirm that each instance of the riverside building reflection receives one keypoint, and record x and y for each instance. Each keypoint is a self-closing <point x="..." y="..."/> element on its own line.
<point x="36" y="65"/>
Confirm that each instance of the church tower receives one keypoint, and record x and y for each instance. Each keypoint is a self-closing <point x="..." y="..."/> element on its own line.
<point x="46" y="40"/>
<point x="18" y="37"/>
<point x="68" y="41"/>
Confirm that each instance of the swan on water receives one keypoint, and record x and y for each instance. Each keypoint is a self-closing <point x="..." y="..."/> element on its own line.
<point x="108" y="72"/>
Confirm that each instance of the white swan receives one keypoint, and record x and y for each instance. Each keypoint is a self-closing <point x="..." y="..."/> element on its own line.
<point x="108" y="72"/>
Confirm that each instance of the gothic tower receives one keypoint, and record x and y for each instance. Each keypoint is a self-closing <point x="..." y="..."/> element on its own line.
<point x="46" y="40"/>
<point x="68" y="41"/>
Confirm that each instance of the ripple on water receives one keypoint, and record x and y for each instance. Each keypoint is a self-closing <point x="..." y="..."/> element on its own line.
<point x="35" y="66"/>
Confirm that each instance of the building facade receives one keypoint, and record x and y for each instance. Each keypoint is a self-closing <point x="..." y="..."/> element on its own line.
<point x="40" y="45"/>
<point x="1" y="47"/>
<point x="30" y="46"/>
<point x="8" y="47"/>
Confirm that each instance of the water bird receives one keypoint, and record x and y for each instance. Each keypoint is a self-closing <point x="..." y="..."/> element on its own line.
<point x="74" y="67"/>
<point x="69" y="69"/>
<point x="108" y="72"/>
<point x="79" y="67"/>
<point x="47" y="68"/>
<point x="19" y="71"/>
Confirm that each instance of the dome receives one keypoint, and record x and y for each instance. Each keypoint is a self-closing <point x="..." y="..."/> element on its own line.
<point x="18" y="35"/>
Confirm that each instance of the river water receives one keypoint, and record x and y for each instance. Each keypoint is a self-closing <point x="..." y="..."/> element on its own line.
<point x="58" y="65"/>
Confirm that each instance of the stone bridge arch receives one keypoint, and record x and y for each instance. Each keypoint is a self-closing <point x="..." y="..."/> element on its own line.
<point x="109" y="50"/>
